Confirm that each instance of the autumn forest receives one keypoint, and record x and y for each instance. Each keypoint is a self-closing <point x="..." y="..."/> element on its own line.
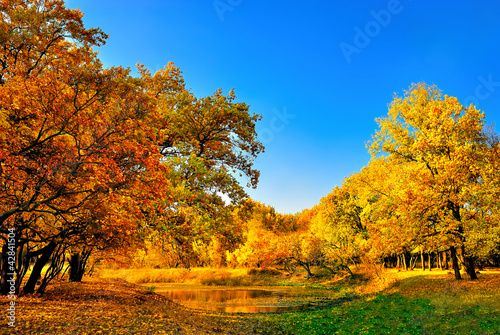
<point x="103" y="169"/>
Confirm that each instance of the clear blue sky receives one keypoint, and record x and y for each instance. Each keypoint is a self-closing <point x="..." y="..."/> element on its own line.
<point x="319" y="72"/>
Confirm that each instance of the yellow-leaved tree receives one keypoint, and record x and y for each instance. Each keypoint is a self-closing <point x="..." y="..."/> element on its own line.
<point x="442" y="147"/>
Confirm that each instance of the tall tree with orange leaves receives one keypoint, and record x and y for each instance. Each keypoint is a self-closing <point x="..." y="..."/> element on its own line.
<point x="87" y="154"/>
<point x="72" y="134"/>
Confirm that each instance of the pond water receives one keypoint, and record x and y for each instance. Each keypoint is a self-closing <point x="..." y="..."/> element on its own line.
<point x="244" y="300"/>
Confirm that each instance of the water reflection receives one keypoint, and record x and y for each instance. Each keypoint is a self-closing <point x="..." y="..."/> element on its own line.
<point x="234" y="301"/>
<point x="218" y="295"/>
<point x="254" y="309"/>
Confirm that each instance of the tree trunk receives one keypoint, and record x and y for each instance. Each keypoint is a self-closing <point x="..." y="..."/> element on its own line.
<point x="78" y="263"/>
<point x="37" y="268"/>
<point x="460" y="258"/>
<point x="445" y="260"/>
<point x="307" y="268"/>
<point x="4" y="284"/>
<point x="55" y="267"/>
<point x="422" y="260"/>
<point x="469" y="264"/>
<point x="413" y="262"/>
<point x="430" y="260"/>
<point x="454" y="260"/>
<point x="407" y="261"/>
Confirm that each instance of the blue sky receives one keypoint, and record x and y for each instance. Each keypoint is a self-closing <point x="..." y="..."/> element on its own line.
<point x="319" y="72"/>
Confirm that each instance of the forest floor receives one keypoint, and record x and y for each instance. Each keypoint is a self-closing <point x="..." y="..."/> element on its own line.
<point x="410" y="302"/>
<point x="103" y="306"/>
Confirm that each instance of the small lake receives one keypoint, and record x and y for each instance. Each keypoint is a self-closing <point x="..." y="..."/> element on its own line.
<point x="244" y="299"/>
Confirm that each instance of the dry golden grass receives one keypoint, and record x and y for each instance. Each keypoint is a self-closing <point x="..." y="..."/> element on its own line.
<point x="195" y="276"/>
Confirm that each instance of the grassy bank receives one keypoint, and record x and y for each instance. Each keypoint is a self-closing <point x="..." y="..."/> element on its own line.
<point x="416" y="303"/>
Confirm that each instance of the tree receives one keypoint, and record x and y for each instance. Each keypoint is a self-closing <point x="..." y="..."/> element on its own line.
<point x="205" y="142"/>
<point x="91" y="158"/>
<point x="442" y="144"/>
<point x="339" y="229"/>
<point x="73" y="135"/>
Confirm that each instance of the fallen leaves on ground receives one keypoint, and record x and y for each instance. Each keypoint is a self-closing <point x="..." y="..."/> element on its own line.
<point x="97" y="306"/>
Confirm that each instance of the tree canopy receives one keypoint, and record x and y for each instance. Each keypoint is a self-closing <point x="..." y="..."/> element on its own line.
<point x="89" y="156"/>
<point x="96" y="160"/>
